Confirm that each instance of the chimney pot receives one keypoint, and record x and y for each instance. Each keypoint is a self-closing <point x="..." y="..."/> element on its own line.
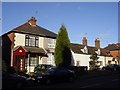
<point x="32" y="21"/>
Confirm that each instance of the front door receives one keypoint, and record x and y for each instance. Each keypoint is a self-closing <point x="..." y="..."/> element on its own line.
<point x="19" y="59"/>
<point x="20" y="63"/>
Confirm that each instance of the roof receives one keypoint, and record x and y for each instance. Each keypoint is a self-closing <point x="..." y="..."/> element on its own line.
<point x="112" y="47"/>
<point x="26" y="28"/>
<point x="105" y="52"/>
<point x="34" y="50"/>
<point x="76" y="48"/>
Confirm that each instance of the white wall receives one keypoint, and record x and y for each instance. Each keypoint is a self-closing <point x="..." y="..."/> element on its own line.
<point x="41" y="40"/>
<point x="19" y="39"/>
<point x="102" y="58"/>
<point x="84" y="59"/>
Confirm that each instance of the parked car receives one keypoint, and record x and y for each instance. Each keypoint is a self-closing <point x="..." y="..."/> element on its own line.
<point x="55" y="75"/>
<point x="13" y="80"/>
<point x="40" y="68"/>
<point x="111" y="67"/>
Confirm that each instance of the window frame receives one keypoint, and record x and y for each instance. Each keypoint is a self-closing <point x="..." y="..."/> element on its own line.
<point x="30" y="42"/>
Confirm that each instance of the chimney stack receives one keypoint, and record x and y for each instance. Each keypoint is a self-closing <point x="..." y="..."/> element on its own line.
<point x="32" y="21"/>
<point x="84" y="41"/>
<point x="97" y="43"/>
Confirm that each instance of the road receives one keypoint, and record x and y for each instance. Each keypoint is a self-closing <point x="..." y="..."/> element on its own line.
<point x="111" y="80"/>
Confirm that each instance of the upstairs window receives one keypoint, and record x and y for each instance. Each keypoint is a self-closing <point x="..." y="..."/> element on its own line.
<point x="51" y="43"/>
<point x="31" y="41"/>
<point x="84" y="50"/>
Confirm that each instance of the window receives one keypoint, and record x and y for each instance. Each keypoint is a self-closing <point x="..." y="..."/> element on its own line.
<point x="50" y="58"/>
<point x="31" y="41"/>
<point x="84" y="50"/>
<point x="33" y="61"/>
<point x="100" y="63"/>
<point x="51" y="43"/>
<point x="78" y="63"/>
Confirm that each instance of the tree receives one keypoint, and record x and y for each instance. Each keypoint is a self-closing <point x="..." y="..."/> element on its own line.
<point x="4" y="66"/>
<point x="94" y="62"/>
<point x="62" y="53"/>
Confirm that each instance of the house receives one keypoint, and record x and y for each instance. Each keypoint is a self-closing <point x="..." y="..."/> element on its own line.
<point x="28" y="45"/>
<point x="81" y="53"/>
<point x="114" y="50"/>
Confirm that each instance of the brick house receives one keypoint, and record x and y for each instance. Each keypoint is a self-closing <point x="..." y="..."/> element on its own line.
<point x="28" y="45"/>
<point x="114" y="51"/>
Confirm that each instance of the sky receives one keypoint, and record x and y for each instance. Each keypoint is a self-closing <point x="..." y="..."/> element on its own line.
<point x="90" y="19"/>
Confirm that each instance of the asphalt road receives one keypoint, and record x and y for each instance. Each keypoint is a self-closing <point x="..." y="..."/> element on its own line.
<point x="111" y="80"/>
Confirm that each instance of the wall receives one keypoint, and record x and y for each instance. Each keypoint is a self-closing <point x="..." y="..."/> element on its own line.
<point x="84" y="59"/>
<point x="41" y="42"/>
<point x="108" y="59"/>
<point x="19" y="39"/>
<point x="102" y="58"/>
<point x="116" y="54"/>
<point x="45" y="43"/>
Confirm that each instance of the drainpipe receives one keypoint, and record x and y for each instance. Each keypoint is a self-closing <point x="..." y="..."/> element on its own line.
<point x="11" y="64"/>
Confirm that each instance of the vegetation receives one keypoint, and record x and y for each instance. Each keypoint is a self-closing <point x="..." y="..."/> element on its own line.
<point x="62" y="49"/>
<point x="4" y="66"/>
<point x="94" y="64"/>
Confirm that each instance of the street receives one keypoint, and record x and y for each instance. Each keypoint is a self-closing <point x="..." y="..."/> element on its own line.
<point x="104" y="81"/>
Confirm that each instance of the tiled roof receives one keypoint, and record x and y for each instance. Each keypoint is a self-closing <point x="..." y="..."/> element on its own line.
<point x="105" y="52"/>
<point x="76" y="48"/>
<point x="112" y="47"/>
<point x="35" y="30"/>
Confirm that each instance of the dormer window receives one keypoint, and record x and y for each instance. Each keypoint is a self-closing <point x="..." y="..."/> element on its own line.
<point x="98" y="52"/>
<point x="84" y="50"/>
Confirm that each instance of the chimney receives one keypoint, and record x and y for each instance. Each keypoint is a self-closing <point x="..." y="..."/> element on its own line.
<point x="32" y="21"/>
<point x="97" y="43"/>
<point x="84" y="41"/>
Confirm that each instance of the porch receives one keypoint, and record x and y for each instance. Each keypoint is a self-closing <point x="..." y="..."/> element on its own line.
<point x="26" y="58"/>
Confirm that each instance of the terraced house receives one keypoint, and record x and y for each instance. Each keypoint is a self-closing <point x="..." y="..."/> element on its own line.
<point x="28" y="45"/>
<point x="81" y="53"/>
